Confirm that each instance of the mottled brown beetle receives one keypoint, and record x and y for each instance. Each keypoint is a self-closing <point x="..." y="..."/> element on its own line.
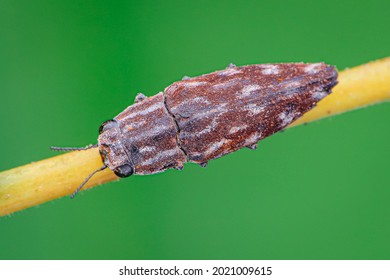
<point x="205" y="117"/>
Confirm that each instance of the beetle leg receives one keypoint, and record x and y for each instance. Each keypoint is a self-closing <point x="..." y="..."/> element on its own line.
<point x="252" y="147"/>
<point x="140" y="97"/>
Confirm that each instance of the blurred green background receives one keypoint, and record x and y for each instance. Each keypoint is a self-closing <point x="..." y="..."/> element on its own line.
<point x="319" y="191"/>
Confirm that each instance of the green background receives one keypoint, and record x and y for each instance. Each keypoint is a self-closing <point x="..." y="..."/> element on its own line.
<point x="319" y="191"/>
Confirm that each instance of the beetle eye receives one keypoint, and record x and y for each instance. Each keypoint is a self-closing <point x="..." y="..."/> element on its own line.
<point x="125" y="170"/>
<point x="107" y="125"/>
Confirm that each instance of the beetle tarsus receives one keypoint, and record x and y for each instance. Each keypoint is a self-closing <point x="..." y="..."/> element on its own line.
<point x="140" y="97"/>
<point x="252" y="147"/>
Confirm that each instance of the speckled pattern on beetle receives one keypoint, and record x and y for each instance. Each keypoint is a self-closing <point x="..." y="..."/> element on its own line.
<point x="205" y="117"/>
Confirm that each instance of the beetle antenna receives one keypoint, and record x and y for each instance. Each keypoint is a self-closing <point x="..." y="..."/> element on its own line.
<point x="86" y="180"/>
<point x="73" y="148"/>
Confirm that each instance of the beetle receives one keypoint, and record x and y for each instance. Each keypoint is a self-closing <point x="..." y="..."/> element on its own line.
<point x="205" y="117"/>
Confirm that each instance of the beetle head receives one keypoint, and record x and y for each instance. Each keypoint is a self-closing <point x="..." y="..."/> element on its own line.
<point x="112" y="151"/>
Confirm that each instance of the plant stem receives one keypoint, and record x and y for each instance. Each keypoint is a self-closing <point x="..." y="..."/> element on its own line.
<point x="45" y="180"/>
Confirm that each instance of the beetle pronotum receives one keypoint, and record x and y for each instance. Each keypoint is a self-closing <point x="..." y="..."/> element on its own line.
<point x="205" y="117"/>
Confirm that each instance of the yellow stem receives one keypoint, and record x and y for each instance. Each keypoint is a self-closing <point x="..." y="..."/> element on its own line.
<point x="45" y="180"/>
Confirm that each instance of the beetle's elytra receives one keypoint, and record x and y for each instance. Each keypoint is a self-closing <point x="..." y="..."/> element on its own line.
<point x="205" y="117"/>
